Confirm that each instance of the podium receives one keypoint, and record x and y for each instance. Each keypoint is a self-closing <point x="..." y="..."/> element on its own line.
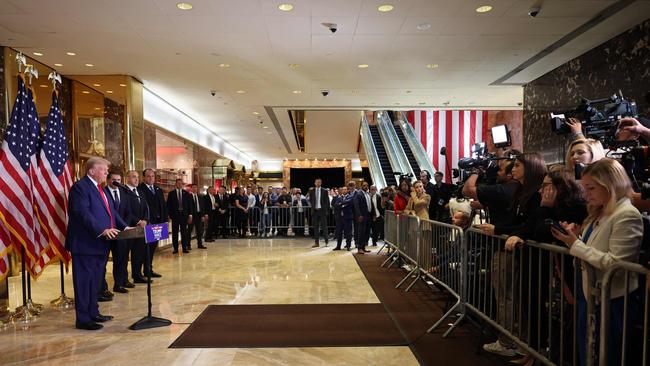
<point x="150" y="233"/>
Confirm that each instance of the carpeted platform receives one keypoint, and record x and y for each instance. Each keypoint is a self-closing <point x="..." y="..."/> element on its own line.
<point x="301" y="325"/>
<point x="417" y="310"/>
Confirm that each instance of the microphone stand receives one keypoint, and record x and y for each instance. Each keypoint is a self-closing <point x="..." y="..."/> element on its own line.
<point x="148" y="321"/>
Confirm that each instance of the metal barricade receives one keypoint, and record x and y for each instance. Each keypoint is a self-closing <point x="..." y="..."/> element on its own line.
<point x="408" y="244"/>
<point x="527" y="295"/>
<point x="390" y="236"/>
<point x="441" y="259"/>
<point x="624" y="319"/>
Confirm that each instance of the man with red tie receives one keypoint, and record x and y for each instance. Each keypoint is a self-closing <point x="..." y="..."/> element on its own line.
<point x="92" y="223"/>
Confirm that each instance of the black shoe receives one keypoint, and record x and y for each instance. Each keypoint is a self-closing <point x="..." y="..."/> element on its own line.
<point x="366" y="250"/>
<point x="326" y="241"/>
<point x="141" y="280"/>
<point x="102" y="318"/>
<point x="347" y="248"/>
<point x="337" y="248"/>
<point x="107" y="294"/>
<point x="186" y="251"/>
<point x="102" y="298"/>
<point x="89" y="326"/>
<point x="129" y="284"/>
<point x="175" y="251"/>
<point x="202" y="247"/>
<point x="315" y="245"/>
<point x="121" y="290"/>
<point x="208" y="241"/>
<point x="155" y="275"/>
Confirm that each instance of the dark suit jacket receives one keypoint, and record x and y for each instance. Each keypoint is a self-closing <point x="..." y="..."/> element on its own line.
<point x="172" y="205"/>
<point x="88" y="218"/>
<point x="343" y="207"/>
<point x="360" y="205"/>
<point x="123" y="210"/>
<point x="202" y="205"/>
<point x="156" y="204"/>
<point x="223" y="203"/>
<point x="207" y="204"/>
<point x="324" y="198"/>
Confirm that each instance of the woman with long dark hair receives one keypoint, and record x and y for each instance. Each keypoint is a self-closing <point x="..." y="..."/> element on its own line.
<point x="402" y="196"/>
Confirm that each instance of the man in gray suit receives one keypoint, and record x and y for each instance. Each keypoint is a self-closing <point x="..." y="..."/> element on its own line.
<point x="320" y="204"/>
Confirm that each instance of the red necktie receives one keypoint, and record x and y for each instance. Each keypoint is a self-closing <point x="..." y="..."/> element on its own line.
<point x="101" y="192"/>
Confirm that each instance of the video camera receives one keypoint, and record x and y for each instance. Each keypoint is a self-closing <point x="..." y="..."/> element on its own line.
<point x="599" y="118"/>
<point x="483" y="161"/>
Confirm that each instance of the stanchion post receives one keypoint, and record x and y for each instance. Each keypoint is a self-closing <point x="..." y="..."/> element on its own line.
<point x="63" y="302"/>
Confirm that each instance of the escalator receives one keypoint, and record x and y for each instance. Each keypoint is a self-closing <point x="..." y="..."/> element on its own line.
<point x="382" y="156"/>
<point x="407" y="150"/>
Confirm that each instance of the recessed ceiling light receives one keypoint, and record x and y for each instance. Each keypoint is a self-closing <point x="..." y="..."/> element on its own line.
<point x="424" y="26"/>
<point x="432" y="66"/>
<point x="294" y="66"/>
<point x="89" y="65"/>
<point x="256" y="113"/>
<point x="483" y="9"/>
<point x="285" y="7"/>
<point x="268" y="132"/>
<point x="97" y="108"/>
<point x="43" y="86"/>
<point x="265" y="126"/>
<point x="58" y="65"/>
<point x="297" y="92"/>
<point x="224" y="65"/>
<point x="184" y="6"/>
<point x="97" y="84"/>
<point x="122" y="85"/>
<point x="86" y="92"/>
<point x="241" y="92"/>
<point x="109" y="91"/>
<point x="37" y="54"/>
<point x="363" y="66"/>
<point x="70" y="53"/>
<point x="385" y="8"/>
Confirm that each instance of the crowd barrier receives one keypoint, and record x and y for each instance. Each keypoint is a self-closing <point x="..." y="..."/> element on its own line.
<point x="275" y="218"/>
<point x="528" y="295"/>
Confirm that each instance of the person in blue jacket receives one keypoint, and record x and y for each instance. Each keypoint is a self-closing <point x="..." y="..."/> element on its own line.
<point x="92" y="223"/>
<point x="344" y="217"/>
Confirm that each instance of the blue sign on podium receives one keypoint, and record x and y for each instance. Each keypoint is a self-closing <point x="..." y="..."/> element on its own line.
<point x="155" y="232"/>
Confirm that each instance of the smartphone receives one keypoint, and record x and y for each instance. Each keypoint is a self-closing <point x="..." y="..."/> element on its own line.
<point x="554" y="224"/>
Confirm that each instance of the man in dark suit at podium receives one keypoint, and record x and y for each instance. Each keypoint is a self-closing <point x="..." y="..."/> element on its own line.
<point x="138" y="215"/>
<point x="92" y="222"/>
<point x="319" y="202"/>
<point x="179" y="206"/>
<point x="157" y="215"/>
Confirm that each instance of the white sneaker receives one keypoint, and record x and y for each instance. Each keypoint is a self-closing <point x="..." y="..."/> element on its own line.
<point x="499" y="349"/>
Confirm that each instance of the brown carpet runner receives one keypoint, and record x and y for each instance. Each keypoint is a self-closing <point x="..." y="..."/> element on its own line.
<point x="415" y="311"/>
<point x="301" y="325"/>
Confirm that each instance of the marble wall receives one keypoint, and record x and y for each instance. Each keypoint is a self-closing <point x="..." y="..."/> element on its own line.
<point x="620" y="63"/>
<point x="512" y="119"/>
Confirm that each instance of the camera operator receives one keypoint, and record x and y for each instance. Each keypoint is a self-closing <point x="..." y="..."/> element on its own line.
<point x="495" y="198"/>
<point x="632" y="129"/>
<point x="442" y="193"/>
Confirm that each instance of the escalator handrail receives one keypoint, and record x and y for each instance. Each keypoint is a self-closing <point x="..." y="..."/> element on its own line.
<point x="420" y="154"/>
<point x="393" y="147"/>
<point x="376" y="172"/>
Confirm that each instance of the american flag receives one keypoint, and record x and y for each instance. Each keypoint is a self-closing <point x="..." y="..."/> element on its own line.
<point x="17" y="157"/>
<point x="458" y="130"/>
<point x="52" y="181"/>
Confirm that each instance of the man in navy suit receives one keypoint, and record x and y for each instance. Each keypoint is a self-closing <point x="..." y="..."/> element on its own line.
<point x="179" y="205"/>
<point x="344" y="216"/>
<point x="362" y="208"/>
<point x="119" y="248"/>
<point x="92" y="222"/>
<point x="138" y="215"/>
<point x="319" y="203"/>
<point x="157" y="209"/>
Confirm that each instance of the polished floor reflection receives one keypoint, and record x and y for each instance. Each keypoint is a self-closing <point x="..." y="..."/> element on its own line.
<point x="259" y="271"/>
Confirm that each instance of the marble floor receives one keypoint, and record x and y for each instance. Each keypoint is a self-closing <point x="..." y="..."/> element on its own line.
<point x="245" y="271"/>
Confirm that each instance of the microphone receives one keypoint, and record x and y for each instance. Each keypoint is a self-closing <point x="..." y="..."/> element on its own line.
<point x="578" y="168"/>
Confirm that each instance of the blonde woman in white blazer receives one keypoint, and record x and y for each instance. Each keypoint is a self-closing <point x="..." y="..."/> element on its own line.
<point x="612" y="232"/>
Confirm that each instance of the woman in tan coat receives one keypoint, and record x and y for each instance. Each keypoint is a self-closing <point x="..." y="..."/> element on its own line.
<point x="418" y="204"/>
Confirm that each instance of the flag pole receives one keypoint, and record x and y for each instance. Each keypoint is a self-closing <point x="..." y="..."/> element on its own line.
<point x="63" y="302"/>
<point x="23" y="315"/>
